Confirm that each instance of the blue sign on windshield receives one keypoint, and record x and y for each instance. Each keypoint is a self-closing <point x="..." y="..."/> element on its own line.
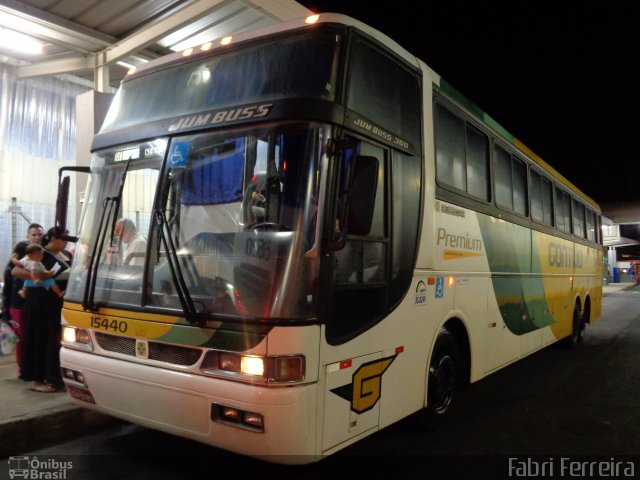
<point x="178" y="154"/>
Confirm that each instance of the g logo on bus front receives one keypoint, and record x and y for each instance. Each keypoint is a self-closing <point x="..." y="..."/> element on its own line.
<point x="366" y="387"/>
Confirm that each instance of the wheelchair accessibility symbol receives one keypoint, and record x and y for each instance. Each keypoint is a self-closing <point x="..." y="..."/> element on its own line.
<point x="439" y="287"/>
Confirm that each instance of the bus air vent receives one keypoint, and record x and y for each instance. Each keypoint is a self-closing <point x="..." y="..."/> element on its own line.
<point x="161" y="352"/>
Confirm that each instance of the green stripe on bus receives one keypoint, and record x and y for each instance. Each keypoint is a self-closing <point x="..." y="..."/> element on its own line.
<point x="452" y="92"/>
<point x="520" y="296"/>
<point x="503" y="132"/>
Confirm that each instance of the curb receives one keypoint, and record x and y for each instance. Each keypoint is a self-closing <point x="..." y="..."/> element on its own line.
<point x="27" y="424"/>
<point x="43" y="429"/>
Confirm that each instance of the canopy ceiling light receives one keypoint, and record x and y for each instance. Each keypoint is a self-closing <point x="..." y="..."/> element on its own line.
<point x="19" y="42"/>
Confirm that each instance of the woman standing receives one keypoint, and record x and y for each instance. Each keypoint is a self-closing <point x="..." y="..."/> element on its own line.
<point x="42" y="329"/>
<point x="12" y="302"/>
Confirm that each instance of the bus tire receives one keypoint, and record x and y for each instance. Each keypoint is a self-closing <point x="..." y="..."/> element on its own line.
<point x="445" y="369"/>
<point x="577" y="328"/>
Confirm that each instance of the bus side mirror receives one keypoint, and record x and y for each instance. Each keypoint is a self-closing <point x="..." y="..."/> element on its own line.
<point x="62" y="200"/>
<point x="62" y="203"/>
<point x="357" y="201"/>
<point x="362" y="195"/>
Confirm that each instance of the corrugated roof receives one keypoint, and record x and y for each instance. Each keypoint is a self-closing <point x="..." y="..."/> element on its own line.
<point x="81" y="37"/>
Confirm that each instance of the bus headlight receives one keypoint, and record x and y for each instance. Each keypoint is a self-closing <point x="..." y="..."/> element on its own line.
<point x="230" y="362"/>
<point x="77" y="337"/>
<point x="252" y="366"/>
<point x="272" y="369"/>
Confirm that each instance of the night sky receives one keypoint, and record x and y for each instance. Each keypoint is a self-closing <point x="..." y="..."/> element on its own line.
<point x="562" y="77"/>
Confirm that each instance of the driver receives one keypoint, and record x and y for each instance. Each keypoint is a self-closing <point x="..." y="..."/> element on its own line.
<point x="136" y="244"/>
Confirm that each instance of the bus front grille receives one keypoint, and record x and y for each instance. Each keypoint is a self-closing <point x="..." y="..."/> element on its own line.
<point x="161" y="352"/>
<point x="114" y="343"/>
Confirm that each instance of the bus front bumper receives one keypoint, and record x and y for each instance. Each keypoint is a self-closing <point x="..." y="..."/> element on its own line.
<point x="195" y="406"/>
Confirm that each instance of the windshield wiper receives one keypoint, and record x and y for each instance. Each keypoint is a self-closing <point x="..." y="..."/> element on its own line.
<point x="96" y="253"/>
<point x="186" y="301"/>
<point x="88" y="302"/>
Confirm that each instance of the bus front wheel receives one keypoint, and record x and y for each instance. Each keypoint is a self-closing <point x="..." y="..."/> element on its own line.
<point x="444" y="376"/>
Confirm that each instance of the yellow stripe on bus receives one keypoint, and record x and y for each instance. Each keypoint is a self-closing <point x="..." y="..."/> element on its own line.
<point x="105" y="321"/>
<point x="455" y="254"/>
<point x="561" y="178"/>
<point x="153" y="317"/>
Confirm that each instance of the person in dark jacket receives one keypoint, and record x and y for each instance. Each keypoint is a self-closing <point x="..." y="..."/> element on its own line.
<point x="12" y="302"/>
<point x="42" y="307"/>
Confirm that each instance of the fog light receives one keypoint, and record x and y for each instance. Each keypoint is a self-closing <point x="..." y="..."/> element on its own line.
<point x="235" y="417"/>
<point x="73" y="375"/>
<point x="253" y="419"/>
<point x="232" y="414"/>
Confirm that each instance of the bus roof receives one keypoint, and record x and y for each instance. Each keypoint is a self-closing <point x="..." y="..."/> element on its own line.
<point x="308" y="22"/>
<point x="411" y="59"/>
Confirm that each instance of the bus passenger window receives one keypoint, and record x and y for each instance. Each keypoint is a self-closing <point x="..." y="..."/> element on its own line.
<point x="450" y="151"/>
<point x="510" y="182"/>
<point x="578" y="219"/>
<point x="477" y="163"/>
<point x="462" y="154"/>
<point x="502" y="168"/>
<point x="563" y="211"/>
<point x="591" y="226"/>
<point x="541" y="198"/>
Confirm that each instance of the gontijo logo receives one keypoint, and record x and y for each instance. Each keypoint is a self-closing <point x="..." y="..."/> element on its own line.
<point x="365" y="388"/>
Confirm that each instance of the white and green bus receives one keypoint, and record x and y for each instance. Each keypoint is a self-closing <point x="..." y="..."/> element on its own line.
<point x="335" y="239"/>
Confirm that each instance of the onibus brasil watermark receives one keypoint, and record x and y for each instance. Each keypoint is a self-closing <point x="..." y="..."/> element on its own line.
<point x="38" y="468"/>
<point x="555" y="467"/>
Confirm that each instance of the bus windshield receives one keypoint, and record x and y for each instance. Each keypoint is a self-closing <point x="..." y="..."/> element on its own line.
<point x="303" y="65"/>
<point x="229" y="214"/>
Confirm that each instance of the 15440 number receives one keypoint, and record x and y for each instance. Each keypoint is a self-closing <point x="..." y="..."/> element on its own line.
<point x="109" y="325"/>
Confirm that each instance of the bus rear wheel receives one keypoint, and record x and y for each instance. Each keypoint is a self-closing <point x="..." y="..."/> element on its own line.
<point x="577" y="329"/>
<point x="444" y="377"/>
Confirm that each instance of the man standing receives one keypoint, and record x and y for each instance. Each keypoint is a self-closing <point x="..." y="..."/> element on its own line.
<point x="12" y="302"/>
